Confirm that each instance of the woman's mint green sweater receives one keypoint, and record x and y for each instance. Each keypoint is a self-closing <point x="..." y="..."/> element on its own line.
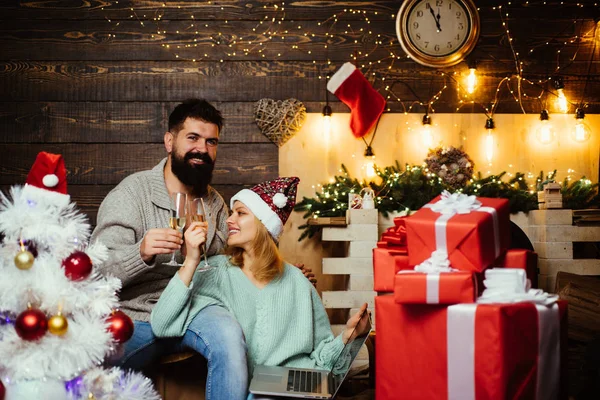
<point x="284" y="323"/>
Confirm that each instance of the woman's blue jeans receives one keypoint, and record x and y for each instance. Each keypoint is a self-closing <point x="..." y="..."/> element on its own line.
<point x="215" y="334"/>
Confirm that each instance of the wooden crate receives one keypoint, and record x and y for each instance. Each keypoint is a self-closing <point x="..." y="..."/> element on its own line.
<point x="552" y="233"/>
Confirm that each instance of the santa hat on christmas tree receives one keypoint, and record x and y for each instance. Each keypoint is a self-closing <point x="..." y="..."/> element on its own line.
<point x="271" y="202"/>
<point x="366" y="104"/>
<point x="48" y="177"/>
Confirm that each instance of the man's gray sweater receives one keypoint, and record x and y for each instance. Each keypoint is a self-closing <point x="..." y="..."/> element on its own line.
<point x="139" y="203"/>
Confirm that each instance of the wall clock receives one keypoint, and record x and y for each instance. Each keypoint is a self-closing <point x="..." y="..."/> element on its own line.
<point x="438" y="33"/>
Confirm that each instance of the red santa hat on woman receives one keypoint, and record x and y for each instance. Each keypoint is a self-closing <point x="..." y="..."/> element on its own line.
<point x="48" y="177"/>
<point x="271" y="202"/>
<point x="366" y="104"/>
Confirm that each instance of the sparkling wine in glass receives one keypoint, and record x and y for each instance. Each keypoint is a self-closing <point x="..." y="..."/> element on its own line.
<point x="177" y="223"/>
<point x="197" y="217"/>
<point x="177" y="219"/>
<point x="198" y="213"/>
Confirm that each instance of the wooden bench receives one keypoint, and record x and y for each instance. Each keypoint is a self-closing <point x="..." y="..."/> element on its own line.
<point x="180" y="376"/>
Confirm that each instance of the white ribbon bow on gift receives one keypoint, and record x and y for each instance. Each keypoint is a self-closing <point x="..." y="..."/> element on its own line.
<point x="432" y="267"/>
<point x="510" y="285"/>
<point x="449" y="205"/>
<point x="455" y="203"/>
<point x="438" y="262"/>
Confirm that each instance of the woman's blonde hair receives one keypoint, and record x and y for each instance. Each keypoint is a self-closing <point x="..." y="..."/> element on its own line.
<point x="268" y="262"/>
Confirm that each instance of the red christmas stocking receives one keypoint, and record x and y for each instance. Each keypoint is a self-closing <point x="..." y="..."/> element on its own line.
<point x="366" y="104"/>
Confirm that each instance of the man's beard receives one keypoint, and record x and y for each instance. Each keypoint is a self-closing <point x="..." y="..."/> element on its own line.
<point x="197" y="176"/>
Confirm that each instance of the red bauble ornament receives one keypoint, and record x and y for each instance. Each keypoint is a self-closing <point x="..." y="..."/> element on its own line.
<point x="121" y="326"/>
<point x="31" y="324"/>
<point x="77" y="266"/>
<point x="2" y="391"/>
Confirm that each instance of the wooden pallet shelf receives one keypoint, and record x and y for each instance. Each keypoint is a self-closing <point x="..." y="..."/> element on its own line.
<point x="553" y="234"/>
<point x="361" y="233"/>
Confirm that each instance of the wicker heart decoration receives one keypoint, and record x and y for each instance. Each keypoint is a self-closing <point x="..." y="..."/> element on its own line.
<point x="279" y="120"/>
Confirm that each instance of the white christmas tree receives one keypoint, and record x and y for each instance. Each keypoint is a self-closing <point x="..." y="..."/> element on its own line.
<point x="58" y="316"/>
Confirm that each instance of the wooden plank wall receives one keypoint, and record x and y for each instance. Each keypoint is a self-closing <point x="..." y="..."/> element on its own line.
<point x="95" y="81"/>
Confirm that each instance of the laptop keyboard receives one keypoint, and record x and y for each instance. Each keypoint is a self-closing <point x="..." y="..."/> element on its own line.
<point x="304" y="381"/>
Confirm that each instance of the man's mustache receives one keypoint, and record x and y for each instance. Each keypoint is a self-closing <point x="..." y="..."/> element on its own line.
<point x="199" y="156"/>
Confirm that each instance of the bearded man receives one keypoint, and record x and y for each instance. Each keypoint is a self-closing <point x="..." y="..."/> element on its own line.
<point x="133" y="222"/>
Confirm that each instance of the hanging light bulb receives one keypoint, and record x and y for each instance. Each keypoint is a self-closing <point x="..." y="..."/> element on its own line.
<point x="545" y="131"/>
<point x="427" y="135"/>
<point x="489" y="139"/>
<point x="369" y="165"/>
<point x="581" y="131"/>
<point x="327" y="120"/>
<point x="561" y="100"/>
<point x="472" y="77"/>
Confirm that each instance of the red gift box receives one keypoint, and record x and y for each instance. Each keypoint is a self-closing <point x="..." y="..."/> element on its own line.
<point x="472" y="240"/>
<point x="470" y="351"/>
<point x="394" y="236"/>
<point x="390" y="256"/>
<point x="523" y="259"/>
<point x="442" y="288"/>
<point x="386" y="264"/>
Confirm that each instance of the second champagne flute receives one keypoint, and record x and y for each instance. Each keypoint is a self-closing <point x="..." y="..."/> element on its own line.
<point x="198" y="213"/>
<point x="177" y="219"/>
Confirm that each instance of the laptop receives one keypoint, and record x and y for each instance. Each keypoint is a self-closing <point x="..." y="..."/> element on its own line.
<point x="307" y="383"/>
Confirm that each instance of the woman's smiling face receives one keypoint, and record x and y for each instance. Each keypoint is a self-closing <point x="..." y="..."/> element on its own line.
<point x="242" y="226"/>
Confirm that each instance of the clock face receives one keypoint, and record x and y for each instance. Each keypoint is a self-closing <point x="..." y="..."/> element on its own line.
<point x="438" y="27"/>
<point x="438" y="32"/>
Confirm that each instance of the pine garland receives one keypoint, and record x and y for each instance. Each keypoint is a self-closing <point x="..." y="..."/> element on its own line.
<point x="516" y="190"/>
<point x="332" y="201"/>
<point x="414" y="186"/>
<point x="408" y="189"/>
<point x="580" y="194"/>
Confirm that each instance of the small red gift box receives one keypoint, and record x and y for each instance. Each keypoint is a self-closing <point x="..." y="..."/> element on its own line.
<point x="442" y="288"/>
<point x="386" y="264"/>
<point x="470" y="351"/>
<point x="523" y="259"/>
<point x="472" y="240"/>
<point x="390" y="256"/>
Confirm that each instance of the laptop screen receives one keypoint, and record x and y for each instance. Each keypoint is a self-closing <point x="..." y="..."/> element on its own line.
<point x="342" y="364"/>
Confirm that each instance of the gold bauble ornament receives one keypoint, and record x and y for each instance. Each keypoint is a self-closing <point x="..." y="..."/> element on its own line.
<point x="58" y="325"/>
<point x="24" y="259"/>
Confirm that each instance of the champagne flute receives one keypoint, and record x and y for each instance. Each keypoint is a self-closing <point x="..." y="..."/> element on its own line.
<point x="177" y="219"/>
<point x="198" y="213"/>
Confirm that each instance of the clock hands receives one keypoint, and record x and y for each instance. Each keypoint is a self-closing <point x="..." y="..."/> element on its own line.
<point x="436" y="19"/>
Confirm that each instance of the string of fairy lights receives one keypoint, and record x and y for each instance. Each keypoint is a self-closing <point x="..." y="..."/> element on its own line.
<point x="273" y="34"/>
<point x="274" y="26"/>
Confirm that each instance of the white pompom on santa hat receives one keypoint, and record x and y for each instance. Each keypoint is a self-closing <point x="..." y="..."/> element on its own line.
<point x="271" y="202"/>
<point x="366" y="104"/>
<point x="48" y="177"/>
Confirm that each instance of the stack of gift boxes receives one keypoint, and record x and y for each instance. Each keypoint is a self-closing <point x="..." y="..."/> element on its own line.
<point x="436" y="339"/>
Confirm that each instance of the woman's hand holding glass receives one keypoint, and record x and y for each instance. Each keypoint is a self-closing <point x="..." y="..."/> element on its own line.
<point x="195" y="238"/>
<point x="197" y="212"/>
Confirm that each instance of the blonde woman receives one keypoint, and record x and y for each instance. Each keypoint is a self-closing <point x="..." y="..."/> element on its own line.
<point x="279" y="310"/>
